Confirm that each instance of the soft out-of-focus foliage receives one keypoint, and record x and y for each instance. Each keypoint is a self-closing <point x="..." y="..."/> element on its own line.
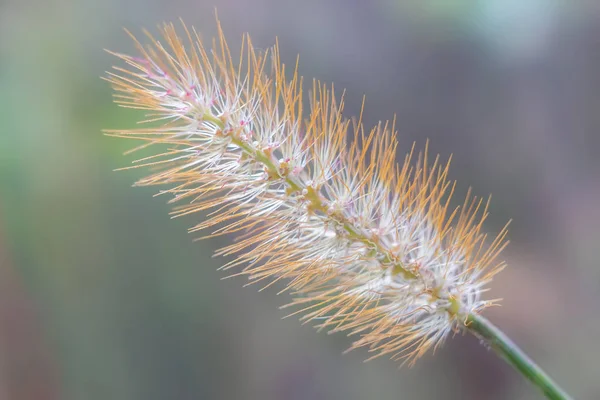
<point x="103" y="296"/>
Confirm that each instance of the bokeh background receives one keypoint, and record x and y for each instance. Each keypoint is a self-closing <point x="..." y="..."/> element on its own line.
<point x="102" y="296"/>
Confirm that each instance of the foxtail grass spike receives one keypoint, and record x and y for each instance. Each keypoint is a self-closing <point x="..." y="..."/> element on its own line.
<point x="318" y="202"/>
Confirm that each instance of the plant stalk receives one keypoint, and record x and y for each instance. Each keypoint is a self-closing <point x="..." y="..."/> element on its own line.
<point x="513" y="355"/>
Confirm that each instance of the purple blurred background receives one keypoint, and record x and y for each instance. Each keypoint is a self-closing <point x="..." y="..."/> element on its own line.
<point x="102" y="296"/>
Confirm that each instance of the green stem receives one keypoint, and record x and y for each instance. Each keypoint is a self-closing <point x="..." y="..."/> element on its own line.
<point x="512" y="354"/>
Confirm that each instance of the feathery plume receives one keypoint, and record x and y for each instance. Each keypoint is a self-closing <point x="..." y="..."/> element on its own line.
<point x="365" y="245"/>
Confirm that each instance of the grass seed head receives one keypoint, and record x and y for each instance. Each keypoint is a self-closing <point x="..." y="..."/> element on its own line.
<point x="365" y="245"/>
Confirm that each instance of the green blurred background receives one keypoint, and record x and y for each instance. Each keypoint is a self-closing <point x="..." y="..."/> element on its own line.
<point x="102" y="296"/>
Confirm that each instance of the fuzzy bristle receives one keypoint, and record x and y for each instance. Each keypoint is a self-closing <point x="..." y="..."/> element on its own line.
<point x="365" y="245"/>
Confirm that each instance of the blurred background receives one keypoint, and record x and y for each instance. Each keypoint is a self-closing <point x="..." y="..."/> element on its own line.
<point x="102" y="296"/>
